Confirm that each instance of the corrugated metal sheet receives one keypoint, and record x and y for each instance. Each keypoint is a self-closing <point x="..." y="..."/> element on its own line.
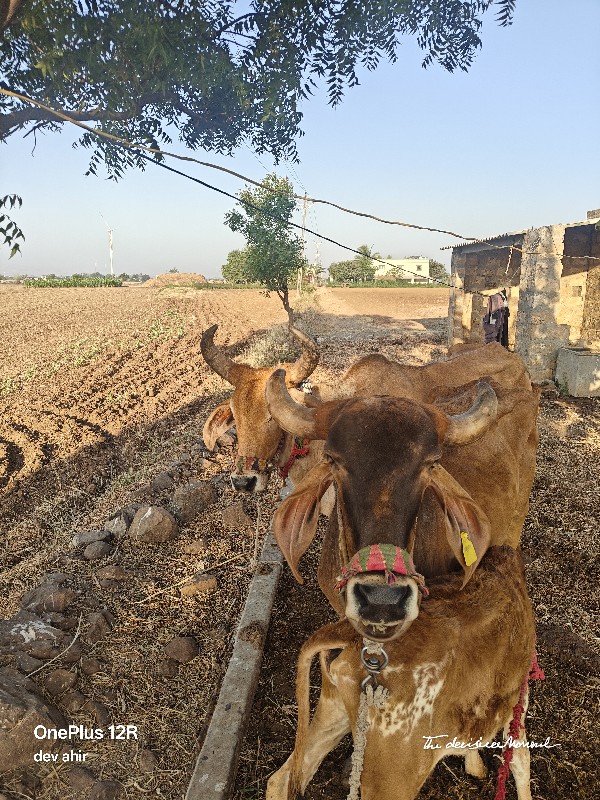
<point x="500" y="236"/>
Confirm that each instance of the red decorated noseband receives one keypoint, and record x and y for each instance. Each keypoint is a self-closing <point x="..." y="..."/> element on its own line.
<point x="387" y="558"/>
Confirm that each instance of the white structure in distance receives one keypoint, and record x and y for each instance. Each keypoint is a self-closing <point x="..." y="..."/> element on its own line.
<point x="404" y="269"/>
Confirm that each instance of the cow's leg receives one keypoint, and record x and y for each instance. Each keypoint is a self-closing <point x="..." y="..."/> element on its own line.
<point x="520" y="764"/>
<point x="474" y="764"/>
<point x="328" y="726"/>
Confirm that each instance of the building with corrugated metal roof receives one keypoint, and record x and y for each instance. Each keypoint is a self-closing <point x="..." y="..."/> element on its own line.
<point x="552" y="277"/>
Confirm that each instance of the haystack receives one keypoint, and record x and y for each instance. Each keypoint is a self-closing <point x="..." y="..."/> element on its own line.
<point x="176" y="279"/>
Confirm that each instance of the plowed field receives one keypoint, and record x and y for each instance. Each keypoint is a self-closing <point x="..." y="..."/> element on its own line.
<point x="103" y="389"/>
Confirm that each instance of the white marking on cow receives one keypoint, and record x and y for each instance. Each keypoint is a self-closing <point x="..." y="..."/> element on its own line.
<point x="402" y="717"/>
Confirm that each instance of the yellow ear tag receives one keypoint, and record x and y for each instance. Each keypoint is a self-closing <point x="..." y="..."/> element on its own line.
<point x="468" y="549"/>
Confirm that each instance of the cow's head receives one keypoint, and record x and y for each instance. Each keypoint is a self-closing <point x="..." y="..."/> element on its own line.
<point x="259" y="435"/>
<point x="382" y="454"/>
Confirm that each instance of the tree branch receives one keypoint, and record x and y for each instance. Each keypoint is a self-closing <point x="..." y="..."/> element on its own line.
<point x="8" y="9"/>
<point x="14" y="120"/>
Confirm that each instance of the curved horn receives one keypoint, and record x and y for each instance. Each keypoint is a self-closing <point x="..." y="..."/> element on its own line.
<point x="307" y="363"/>
<point x="464" y="428"/>
<point x="290" y="415"/>
<point x="216" y="359"/>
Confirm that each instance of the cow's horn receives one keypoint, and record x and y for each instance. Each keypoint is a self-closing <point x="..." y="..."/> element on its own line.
<point x="307" y="363"/>
<point x="465" y="428"/>
<point x="290" y="415"/>
<point x="216" y="359"/>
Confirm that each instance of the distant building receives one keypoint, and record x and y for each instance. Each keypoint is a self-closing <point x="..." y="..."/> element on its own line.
<point x="552" y="275"/>
<point x="406" y="269"/>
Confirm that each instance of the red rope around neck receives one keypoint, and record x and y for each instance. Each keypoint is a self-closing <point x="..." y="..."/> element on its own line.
<point x="297" y="452"/>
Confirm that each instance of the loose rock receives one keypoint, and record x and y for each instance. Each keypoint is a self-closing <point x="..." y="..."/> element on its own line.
<point x="182" y="649"/>
<point x="147" y="761"/>
<point x="28" y="633"/>
<point x="57" y="577"/>
<point x="98" y="627"/>
<point x="112" y="573"/>
<point x="118" y="525"/>
<point x="72" y="654"/>
<point x="197" y="547"/>
<point x="193" y="498"/>
<point x="59" y="681"/>
<point x="97" y="550"/>
<point x="81" y="779"/>
<point x="168" y="668"/>
<point x="101" y="713"/>
<point x="27" y="664"/>
<point x="73" y="702"/>
<point x="202" y="583"/>
<point x="87" y="537"/>
<point x="21" y="710"/>
<point x="106" y="790"/>
<point x="59" y="621"/>
<point x="152" y="525"/>
<point x="162" y="481"/>
<point x="143" y="492"/>
<point x="90" y="666"/>
<point x="235" y="518"/>
<point x="59" y="600"/>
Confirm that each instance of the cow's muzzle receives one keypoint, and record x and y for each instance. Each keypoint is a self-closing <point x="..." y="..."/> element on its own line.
<point x="244" y="483"/>
<point x="380" y="611"/>
<point x="252" y="480"/>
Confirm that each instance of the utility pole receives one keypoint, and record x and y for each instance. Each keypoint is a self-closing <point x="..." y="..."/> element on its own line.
<point x="301" y="270"/>
<point x="110" y="245"/>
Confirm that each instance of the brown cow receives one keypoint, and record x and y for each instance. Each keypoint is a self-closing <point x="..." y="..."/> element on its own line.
<point x="262" y="444"/>
<point x="376" y="374"/>
<point x="452" y="682"/>
<point x="441" y="486"/>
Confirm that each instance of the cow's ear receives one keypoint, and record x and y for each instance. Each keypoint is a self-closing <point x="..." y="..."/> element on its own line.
<point x="219" y="421"/>
<point x="467" y="526"/>
<point x="295" y="520"/>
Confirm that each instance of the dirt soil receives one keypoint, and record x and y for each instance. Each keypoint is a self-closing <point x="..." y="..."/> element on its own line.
<point x="101" y="390"/>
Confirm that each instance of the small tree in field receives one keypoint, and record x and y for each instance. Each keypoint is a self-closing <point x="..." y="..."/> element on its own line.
<point x="438" y="271"/>
<point x="274" y="253"/>
<point x="360" y="268"/>
<point x="234" y="269"/>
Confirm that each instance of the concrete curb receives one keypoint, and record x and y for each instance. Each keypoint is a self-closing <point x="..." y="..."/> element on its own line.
<point x="216" y="765"/>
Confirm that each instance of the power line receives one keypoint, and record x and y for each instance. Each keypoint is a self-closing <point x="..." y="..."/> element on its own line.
<point x="156" y="151"/>
<point x="280" y="219"/>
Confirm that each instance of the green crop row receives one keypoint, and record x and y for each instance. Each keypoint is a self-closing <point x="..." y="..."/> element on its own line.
<point x="74" y="281"/>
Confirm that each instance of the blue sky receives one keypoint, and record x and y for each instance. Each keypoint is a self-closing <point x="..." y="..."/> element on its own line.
<point x="509" y="145"/>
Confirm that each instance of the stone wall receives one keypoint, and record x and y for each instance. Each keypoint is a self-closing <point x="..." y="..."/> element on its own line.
<point x="578" y="243"/>
<point x="590" y="325"/>
<point x="539" y="333"/>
